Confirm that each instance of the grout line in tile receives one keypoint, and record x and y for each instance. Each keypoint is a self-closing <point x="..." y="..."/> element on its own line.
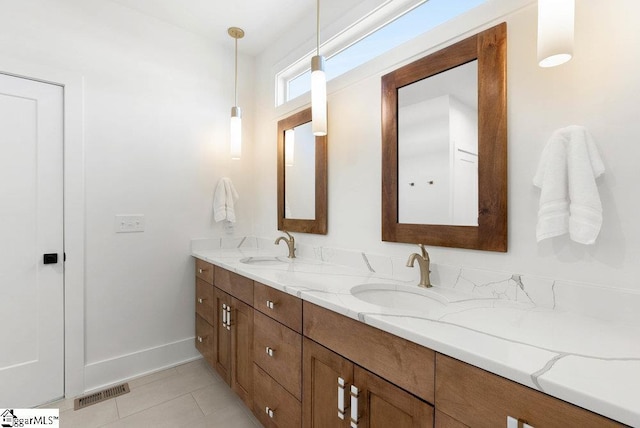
<point x="117" y="408"/>
<point x="157" y="405"/>
<point x="197" y="404"/>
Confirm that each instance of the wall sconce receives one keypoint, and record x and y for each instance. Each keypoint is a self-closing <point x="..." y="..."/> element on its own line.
<point x="555" y="31"/>
<point x="235" y="140"/>
<point x="289" y="140"/>
<point x="318" y="86"/>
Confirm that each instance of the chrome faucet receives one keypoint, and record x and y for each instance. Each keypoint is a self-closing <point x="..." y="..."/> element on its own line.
<point x="423" y="263"/>
<point x="291" y="243"/>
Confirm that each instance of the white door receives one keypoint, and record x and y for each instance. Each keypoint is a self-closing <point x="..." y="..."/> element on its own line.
<point x="31" y="225"/>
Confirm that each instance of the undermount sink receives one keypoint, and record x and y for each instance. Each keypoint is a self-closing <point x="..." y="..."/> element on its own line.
<point x="400" y="297"/>
<point x="264" y="261"/>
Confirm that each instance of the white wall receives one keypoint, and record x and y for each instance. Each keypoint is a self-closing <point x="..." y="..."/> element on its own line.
<point x="156" y="110"/>
<point x="598" y="89"/>
<point x="424" y="181"/>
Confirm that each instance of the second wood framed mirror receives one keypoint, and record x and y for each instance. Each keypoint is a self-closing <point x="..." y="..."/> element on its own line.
<point x="302" y="176"/>
<point x="444" y="147"/>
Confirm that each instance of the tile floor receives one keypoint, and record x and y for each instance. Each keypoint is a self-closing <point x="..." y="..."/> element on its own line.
<point x="191" y="395"/>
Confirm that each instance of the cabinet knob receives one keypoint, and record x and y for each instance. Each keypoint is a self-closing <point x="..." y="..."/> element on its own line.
<point x="201" y="300"/>
<point x="517" y="423"/>
<point x="200" y="339"/>
<point x="269" y="411"/>
<point x="270" y="304"/>
<point x="200" y="270"/>
<point x="269" y="351"/>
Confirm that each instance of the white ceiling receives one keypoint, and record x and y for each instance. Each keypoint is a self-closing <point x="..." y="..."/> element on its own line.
<point x="263" y="21"/>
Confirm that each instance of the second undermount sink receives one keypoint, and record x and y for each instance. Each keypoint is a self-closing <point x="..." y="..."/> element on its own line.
<point x="399" y="297"/>
<point x="265" y="261"/>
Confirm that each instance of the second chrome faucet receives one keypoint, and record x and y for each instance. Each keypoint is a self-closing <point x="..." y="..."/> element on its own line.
<point x="423" y="263"/>
<point x="291" y="243"/>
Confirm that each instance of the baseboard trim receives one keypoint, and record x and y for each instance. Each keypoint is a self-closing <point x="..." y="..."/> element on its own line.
<point x="125" y="367"/>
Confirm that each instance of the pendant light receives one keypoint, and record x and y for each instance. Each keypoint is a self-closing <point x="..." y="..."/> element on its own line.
<point x="235" y="141"/>
<point x="555" y="31"/>
<point x="318" y="86"/>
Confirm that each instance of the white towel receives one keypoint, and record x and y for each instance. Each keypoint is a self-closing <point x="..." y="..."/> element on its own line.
<point x="569" y="200"/>
<point x="223" y="200"/>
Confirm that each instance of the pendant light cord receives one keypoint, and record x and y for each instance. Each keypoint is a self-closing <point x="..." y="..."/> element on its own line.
<point x="318" y="27"/>
<point x="236" y="76"/>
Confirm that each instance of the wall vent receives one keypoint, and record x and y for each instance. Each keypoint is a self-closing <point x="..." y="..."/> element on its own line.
<point x="97" y="397"/>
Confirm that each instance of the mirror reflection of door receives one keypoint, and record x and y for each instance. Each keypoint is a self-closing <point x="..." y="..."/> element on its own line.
<point x="299" y="175"/>
<point x="438" y="149"/>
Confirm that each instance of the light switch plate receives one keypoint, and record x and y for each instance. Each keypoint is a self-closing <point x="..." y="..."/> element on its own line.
<point x="129" y="223"/>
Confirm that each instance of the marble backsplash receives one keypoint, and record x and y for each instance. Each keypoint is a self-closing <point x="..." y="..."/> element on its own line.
<point x="611" y="304"/>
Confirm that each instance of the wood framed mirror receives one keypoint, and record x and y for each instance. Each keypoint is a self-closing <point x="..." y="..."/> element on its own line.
<point x="302" y="176"/>
<point x="420" y="176"/>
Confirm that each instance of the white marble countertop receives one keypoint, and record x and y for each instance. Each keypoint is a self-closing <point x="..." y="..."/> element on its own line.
<point x="586" y="361"/>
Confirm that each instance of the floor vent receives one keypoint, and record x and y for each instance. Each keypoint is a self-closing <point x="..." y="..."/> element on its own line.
<point x="97" y="397"/>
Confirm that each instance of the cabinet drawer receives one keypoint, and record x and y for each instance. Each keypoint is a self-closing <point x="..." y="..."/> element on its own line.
<point x="204" y="339"/>
<point x="238" y="286"/>
<point x="204" y="300"/>
<point x="204" y="271"/>
<point x="278" y="351"/>
<point x="403" y="363"/>
<point x="280" y="306"/>
<point x="478" y="398"/>
<point x="269" y="395"/>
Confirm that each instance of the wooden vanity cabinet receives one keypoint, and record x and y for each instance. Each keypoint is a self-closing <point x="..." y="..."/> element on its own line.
<point x="469" y="396"/>
<point x="386" y="371"/>
<point x="239" y="321"/>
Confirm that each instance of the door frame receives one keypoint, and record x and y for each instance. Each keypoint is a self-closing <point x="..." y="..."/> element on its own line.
<point x="74" y="210"/>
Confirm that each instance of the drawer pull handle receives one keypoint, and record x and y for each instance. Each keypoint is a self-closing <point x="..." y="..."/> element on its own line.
<point x="201" y="300"/>
<point x="354" y="407"/>
<point x="269" y="351"/>
<point x="201" y="271"/>
<point x="341" y="398"/>
<point x="200" y="339"/>
<point x="228" y="317"/>
<point x="269" y="411"/>
<point x="224" y="315"/>
<point x="516" y="423"/>
<point x="270" y="304"/>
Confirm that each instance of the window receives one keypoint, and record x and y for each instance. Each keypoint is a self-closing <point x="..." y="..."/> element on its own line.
<point x="296" y="79"/>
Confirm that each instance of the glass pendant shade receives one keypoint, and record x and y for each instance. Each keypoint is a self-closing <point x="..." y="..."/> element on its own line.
<point x="235" y="140"/>
<point x="318" y="97"/>
<point x="555" y="31"/>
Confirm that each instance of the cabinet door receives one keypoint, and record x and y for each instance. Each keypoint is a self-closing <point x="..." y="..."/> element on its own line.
<point x="321" y="370"/>
<point x="382" y="404"/>
<point x="242" y="350"/>
<point x="222" y="336"/>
